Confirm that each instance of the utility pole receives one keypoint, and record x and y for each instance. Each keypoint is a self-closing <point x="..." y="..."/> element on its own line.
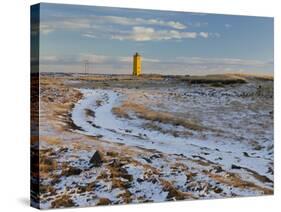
<point x="86" y="66"/>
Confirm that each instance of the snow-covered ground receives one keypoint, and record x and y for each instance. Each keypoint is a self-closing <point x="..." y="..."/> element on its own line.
<point x="227" y="147"/>
<point x="231" y="154"/>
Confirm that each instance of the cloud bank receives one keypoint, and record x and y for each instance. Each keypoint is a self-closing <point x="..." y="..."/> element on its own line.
<point x="122" y="28"/>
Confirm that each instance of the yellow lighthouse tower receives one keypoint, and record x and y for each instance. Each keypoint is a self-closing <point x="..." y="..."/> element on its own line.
<point x="137" y="65"/>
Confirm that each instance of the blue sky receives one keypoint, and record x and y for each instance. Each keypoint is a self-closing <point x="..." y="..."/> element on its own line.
<point x="169" y="42"/>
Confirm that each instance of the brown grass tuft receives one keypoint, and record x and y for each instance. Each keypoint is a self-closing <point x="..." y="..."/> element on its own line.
<point x="63" y="201"/>
<point x="173" y="193"/>
<point x="104" y="201"/>
<point x="145" y="113"/>
<point x="232" y="179"/>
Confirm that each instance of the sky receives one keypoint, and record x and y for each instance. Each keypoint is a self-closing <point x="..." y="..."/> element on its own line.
<point x="169" y="42"/>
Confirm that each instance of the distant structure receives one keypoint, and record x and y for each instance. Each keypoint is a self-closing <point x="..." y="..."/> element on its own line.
<point x="137" y="65"/>
<point x="86" y="65"/>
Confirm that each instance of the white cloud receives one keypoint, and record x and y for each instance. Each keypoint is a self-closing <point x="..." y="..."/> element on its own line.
<point x="139" y="21"/>
<point x="204" y="34"/>
<point x="214" y="34"/>
<point x="98" y="22"/>
<point x="63" y="23"/>
<point x="46" y="28"/>
<point x="199" y="24"/>
<point x="89" y="35"/>
<point x="227" y="26"/>
<point x="136" y="29"/>
<point x="140" y="33"/>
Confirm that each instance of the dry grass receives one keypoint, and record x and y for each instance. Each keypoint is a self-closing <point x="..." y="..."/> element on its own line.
<point x="87" y="188"/>
<point x="104" y="201"/>
<point x="52" y="140"/>
<point x="232" y="179"/>
<point x="162" y="117"/>
<point x="47" y="163"/>
<point x="63" y="201"/>
<point x="46" y="189"/>
<point x="126" y="196"/>
<point x="173" y="193"/>
<point x="220" y="79"/>
<point x="253" y="76"/>
<point x="119" y="176"/>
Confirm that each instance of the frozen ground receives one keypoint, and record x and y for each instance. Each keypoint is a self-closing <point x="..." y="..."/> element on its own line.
<point x="227" y="151"/>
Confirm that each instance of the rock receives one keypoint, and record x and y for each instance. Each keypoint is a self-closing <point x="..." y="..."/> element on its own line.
<point x="127" y="177"/>
<point x="71" y="171"/>
<point x="50" y="99"/>
<point x="96" y="159"/>
<point x="246" y="154"/>
<point x="139" y="180"/>
<point x="155" y="156"/>
<point x="218" y="169"/>
<point x="62" y="150"/>
<point x="235" y="167"/>
<point x="147" y="160"/>
<point x="154" y="180"/>
<point x="257" y="147"/>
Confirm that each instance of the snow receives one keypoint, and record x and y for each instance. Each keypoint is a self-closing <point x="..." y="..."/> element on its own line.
<point x="239" y="131"/>
<point x="114" y="129"/>
<point x="149" y="190"/>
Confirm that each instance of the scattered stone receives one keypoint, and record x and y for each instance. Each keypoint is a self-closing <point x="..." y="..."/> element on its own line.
<point x="99" y="136"/>
<point x="155" y="156"/>
<point x="96" y="159"/>
<point x="71" y="171"/>
<point x="270" y="170"/>
<point x="246" y="154"/>
<point x="257" y="147"/>
<point x="63" y="150"/>
<point x="233" y="166"/>
<point x="127" y="177"/>
<point x="96" y="126"/>
<point x="50" y="99"/>
<point x="139" y="180"/>
<point x="218" y="169"/>
<point x="147" y="160"/>
<point x="154" y="180"/>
